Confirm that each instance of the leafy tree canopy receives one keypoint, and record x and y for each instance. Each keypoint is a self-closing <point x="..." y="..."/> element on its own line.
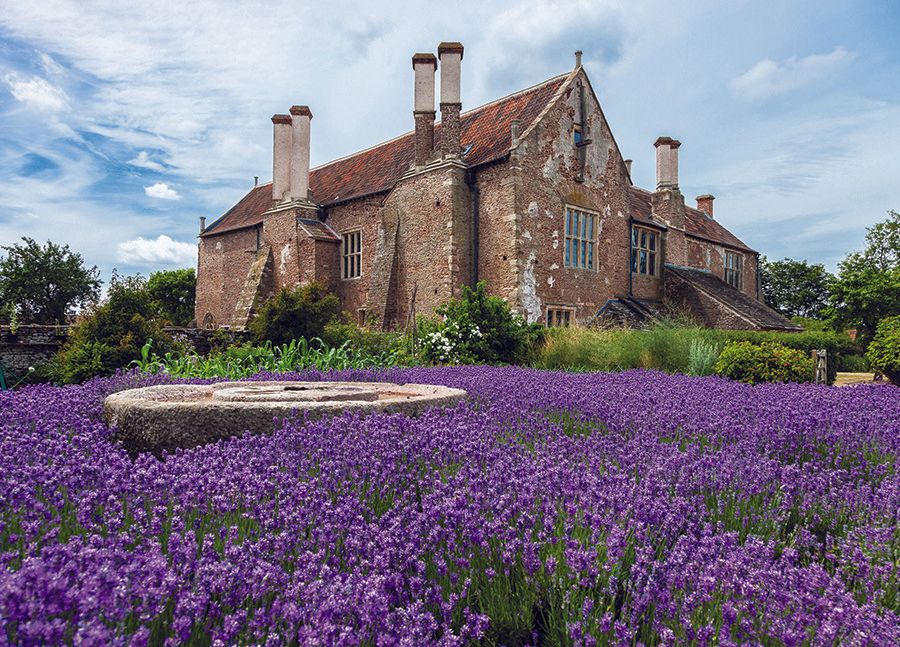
<point x="173" y="294"/>
<point x="795" y="288"/>
<point x="868" y="285"/>
<point x="45" y="283"/>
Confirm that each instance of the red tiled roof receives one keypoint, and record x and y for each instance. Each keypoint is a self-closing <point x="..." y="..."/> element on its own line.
<point x="375" y="170"/>
<point x="696" y="223"/>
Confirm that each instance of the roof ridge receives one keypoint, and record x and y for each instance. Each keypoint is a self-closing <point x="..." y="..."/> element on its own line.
<point x="461" y="115"/>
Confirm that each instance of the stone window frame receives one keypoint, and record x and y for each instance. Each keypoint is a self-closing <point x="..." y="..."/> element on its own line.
<point x="650" y="247"/>
<point x="558" y="316"/>
<point x="734" y="269"/>
<point x="351" y="261"/>
<point x="584" y="239"/>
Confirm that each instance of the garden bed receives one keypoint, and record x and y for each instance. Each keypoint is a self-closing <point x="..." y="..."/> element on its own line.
<point x="551" y="508"/>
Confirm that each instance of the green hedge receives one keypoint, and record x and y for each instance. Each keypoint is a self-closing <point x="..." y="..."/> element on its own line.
<point x="884" y="350"/>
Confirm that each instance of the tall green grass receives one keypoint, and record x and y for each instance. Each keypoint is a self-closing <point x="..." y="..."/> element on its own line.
<point x="672" y="349"/>
<point x="246" y="360"/>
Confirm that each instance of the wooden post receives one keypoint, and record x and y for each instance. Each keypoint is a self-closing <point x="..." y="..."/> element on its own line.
<point x="820" y="357"/>
<point x="411" y="327"/>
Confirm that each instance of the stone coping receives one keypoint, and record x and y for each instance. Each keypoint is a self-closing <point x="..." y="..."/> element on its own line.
<point x="163" y="418"/>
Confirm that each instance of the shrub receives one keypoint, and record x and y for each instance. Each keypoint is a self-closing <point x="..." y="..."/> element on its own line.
<point x="110" y="336"/>
<point x="767" y="362"/>
<point x="362" y="339"/>
<point x="702" y="358"/>
<point x="884" y="350"/>
<point x="854" y="364"/>
<point x="296" y="314"/>
<point x="478" y="328"/>
<point x="837" y="344"/>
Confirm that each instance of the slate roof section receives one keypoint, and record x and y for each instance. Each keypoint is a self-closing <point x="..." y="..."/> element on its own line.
<point x="628" y="312"/>
<point x="756" y="312"/>
<point x="319" y="230"/>
<point x="486" y="137"/>
<point x="696" y="223"/>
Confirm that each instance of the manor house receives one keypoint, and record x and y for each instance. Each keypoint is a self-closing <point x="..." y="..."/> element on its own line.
<point x="529" y="193"/>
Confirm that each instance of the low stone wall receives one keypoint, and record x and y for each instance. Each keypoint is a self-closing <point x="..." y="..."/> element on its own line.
<point x="29" y="345"/>
<point x="32" y="345"/>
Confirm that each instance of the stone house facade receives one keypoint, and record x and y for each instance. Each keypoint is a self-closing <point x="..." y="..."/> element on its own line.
<point x="529" y="193"/>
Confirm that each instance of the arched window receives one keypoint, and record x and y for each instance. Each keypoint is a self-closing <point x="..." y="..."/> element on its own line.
<point x="208" y="321"/>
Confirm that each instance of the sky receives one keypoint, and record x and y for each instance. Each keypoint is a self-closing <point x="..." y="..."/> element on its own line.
<point x="121" y="124"/>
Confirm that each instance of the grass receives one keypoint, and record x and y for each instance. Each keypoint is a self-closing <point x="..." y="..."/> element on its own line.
<point x="673" y="349"/>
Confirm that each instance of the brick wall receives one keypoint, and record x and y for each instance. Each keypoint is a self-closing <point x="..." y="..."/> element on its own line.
<point x="224" y="263"/>
<point x="547" y="167"/>
<point x="703" y="254"/>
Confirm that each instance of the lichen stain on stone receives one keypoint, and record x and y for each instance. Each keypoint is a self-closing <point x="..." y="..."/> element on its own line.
<point x="550" y="281"/>
<point x="528" y="291"/>
<point x="285" y="257"/>
<point x="532" y="209"/>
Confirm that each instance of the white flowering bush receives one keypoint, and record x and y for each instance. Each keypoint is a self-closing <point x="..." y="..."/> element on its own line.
<point x="478" y="329"/>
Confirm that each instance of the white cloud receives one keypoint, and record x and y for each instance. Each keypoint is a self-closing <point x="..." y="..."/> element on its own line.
<point x="163" y="250"/>
<point x="142" y="160"/>
<point x="50" y="65"/>
<point x="162" y="191"/>
<point x="769" y="78"/>
<point x="37" y="93"/>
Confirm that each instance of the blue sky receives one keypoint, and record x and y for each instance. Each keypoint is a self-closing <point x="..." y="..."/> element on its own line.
<point x="121" y="126"/>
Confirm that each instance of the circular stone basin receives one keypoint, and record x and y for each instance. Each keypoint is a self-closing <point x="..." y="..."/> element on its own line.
<point x="163" y="418"/>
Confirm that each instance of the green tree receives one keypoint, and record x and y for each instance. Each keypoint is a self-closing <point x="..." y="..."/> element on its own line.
<point x="292" y="314"/>
<point x="795" y="288"/>
<point x="173" y="294"/>
<point x="112" y="334"/>
<point x="868" y="285"/>
<point x="44" y="284"/>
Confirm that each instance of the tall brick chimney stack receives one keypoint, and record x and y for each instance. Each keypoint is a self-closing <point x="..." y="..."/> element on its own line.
<point x="424" y="66"/>
<point x="450" y="55"/>
<point x="666" y="163"/>
<point x="301" y="116"/>
<point x="705" y="204"/>
<point x="281" y="157"/>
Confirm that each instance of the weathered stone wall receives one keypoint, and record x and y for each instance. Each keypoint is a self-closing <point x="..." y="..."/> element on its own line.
<point x="703" y="254"/>
<point x="224" y="263"/>
<point x="497" y="229"/>
<point x="364" y="215"/>
<point x="433" y="251"/>
<point x="30" y="345"/>
<point x="547" y="177"/>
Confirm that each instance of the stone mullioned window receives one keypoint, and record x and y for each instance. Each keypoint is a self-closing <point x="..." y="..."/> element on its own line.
<point x="644" y="251"/>
<point x="734" y="265"/>
<point x="581" y="239"/>
<point x="351" y="255"/>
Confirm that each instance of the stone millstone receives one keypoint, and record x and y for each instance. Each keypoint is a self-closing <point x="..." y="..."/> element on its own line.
<point x="163" y="418"/>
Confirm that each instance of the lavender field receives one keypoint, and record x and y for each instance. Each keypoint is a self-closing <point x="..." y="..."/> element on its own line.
<point x="552" y="509"/>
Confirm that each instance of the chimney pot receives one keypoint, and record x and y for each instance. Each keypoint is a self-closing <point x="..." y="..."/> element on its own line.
<point x="255" y="180"/>
<point x="628" y="164"/>
<point x="578" y="55"/>
<point x="450" y="54"/>
<point x="705" y="204"/>
<point x="202" y="224"/>
<point x="281" y="156"/>
<point x="666" y="163"/>
<point x="301" y="116"/>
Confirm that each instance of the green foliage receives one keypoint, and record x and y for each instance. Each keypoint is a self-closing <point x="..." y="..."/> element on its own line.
<point x="362" y="339"/>
<point x="173" y="293"/>
<point x="766" y="362"/>
<point x="478" y="329"/>
<point x="296" y="314"/>
<point x="884" y="351"/>
<point x="702" y="357"/>
<point x="111" y="336"/>
<point x="670" y="349"/>
<point x="795" y="288"/>
<point x="246" y="359"/>
<point x="809" y="323"/>
<point x="868" y="285"/>
<point x="854" y="364"/>
<point x="45" y="283"/>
